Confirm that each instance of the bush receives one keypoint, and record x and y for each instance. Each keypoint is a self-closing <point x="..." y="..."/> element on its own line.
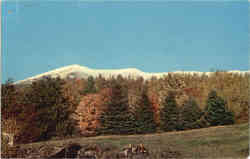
<point x="216" y="112"/>
<point x="201" y="123"/>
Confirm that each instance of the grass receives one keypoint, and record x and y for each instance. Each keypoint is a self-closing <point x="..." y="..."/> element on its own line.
<point x="214" y="142"/>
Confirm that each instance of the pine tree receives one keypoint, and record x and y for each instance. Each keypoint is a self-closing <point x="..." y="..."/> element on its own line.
<point x="145" y="116"/>
<point x="117" y="119"/>
<point x="189" y="114"/>
<point x="216" y="112"/>
<point x="169" y="113"/>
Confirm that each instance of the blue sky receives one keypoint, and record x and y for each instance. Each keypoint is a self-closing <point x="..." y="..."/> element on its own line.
<point x="151" y="36"/>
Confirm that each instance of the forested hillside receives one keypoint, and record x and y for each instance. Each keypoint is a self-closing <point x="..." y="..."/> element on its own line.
<point x="59" y="108"/>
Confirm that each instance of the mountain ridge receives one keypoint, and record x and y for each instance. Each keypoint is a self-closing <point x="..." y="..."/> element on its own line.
<point x="78" y="71"/>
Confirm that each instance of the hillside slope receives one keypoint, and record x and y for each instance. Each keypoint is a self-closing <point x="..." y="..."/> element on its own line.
<point x="214" y="142"/>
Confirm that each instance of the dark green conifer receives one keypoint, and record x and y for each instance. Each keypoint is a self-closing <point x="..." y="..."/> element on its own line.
<point x="189" y="114"/>
<point x="216" y="112"/>
<point x="169" y="113"/>
<point x="117" y="119"/>
<point x="145" y="116"/>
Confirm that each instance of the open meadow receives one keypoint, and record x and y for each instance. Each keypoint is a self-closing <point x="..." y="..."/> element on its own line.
<point x="214" y="142"/>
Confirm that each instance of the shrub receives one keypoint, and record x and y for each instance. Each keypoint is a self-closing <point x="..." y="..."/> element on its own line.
<point x="201" y="123"/>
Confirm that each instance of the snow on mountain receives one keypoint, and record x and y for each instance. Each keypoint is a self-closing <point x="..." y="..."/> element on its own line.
<point x="77" y="71"/>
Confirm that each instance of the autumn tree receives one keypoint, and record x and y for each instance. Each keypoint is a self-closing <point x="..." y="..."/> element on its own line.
<point x="89" y="110"/>
<point x="10" y="100"/>
<point x="9" y="107"/>
<point x="17" y="116"/>
<point x="100" y="83"/>
<point x="90" y="87"/>
<point x="52" y="109"/>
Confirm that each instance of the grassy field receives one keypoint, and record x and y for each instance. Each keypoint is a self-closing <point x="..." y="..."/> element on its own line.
<point x="214" y="142"/>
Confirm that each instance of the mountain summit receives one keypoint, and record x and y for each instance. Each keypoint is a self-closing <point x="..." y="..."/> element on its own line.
<point x="78" y="71"/>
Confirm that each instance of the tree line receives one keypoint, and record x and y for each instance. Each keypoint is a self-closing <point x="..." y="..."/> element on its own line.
<point x="55" y="108"/>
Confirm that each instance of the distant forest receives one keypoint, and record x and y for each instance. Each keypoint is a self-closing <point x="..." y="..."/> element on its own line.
<point x="54" y="108"/>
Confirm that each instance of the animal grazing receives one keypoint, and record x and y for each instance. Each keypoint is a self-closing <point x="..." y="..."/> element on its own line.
<point x="133" y="150"/>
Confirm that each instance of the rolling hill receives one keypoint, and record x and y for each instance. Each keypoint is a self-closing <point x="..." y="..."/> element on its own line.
<point x="77" y="71"/>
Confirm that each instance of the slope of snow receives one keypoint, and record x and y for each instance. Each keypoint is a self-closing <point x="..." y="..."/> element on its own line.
<point x="77" y="71"/>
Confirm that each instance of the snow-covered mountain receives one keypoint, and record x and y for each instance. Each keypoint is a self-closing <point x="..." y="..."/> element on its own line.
<point x="77" y="71"/>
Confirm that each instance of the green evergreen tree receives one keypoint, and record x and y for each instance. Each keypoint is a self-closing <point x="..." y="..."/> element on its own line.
<point x="216" y="112"/>
<point x="145" y="116"/>
<point x="189" y="114"/>
<point x="169" y="113"/>
<point x="117" y="119"/>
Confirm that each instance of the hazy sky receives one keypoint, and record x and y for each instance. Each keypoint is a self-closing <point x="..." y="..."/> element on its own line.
<point x="151" y="36"/>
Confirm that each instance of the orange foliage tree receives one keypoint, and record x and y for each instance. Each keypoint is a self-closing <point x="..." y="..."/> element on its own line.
<point x="89" y="110"/>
